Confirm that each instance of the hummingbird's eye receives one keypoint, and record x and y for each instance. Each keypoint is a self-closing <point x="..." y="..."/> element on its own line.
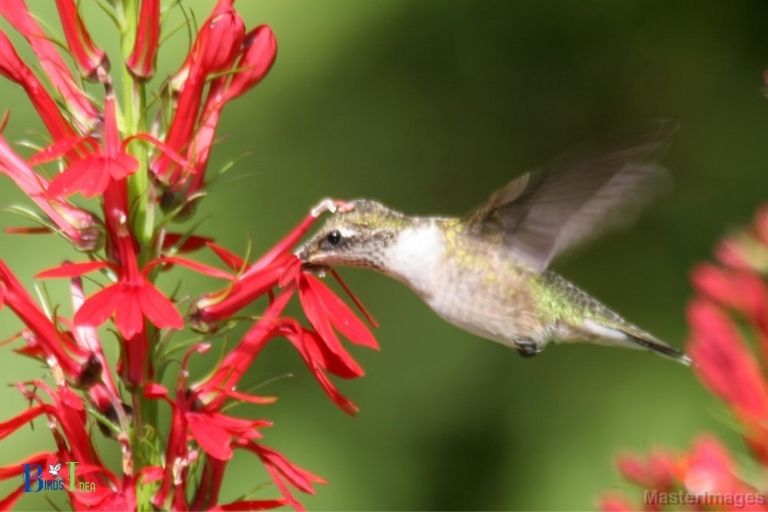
<point x="334" y="237"/>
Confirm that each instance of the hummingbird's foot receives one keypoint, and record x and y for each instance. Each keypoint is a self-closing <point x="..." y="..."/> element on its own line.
<point x="527" y="348"/>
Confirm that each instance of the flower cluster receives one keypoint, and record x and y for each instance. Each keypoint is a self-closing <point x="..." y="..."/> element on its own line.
<point x="728" y="343"/>
<point x="145" y="163"/>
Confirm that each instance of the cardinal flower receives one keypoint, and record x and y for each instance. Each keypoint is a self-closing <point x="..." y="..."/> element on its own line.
<point x="141" y="62"/>
<point x="730" y="360"/>
<point x="217" y="434"/>
<point x="318" y="345"/>
<point x="86" y="55"/>
<point x="76" y="100"/>
<point x="133" y="297"/>
<point x="216" y="47"/>
<point x="15" y="70"/>
<point x="142" y="158"/>
<point x="90" y="175"/>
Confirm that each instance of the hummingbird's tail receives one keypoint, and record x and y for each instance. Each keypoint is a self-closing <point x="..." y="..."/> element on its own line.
<point x="660" y="347"/>
<point x="624" y="333"/>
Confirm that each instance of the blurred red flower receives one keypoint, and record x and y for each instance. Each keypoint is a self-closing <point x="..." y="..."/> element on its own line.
<point x="728" y="343"/>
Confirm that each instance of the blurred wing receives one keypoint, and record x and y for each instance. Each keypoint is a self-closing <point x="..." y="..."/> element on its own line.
<point x="544" y="212"/>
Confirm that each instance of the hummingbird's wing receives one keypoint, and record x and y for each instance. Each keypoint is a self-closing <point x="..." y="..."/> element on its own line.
<point x="546" y="211"/>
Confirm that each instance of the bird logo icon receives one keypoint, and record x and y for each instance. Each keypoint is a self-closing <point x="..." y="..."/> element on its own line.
<point x="54" y="469"/>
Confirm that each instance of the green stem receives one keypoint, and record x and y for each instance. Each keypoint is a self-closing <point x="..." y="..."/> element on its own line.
<point x="144" y="439"/>
<point x="134" y="117"/>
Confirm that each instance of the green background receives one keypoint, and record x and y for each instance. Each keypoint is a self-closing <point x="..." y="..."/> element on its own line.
<point x="429" y="106"/>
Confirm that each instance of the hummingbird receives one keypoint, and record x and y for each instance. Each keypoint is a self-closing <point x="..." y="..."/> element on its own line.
<point x="487" y="271"/>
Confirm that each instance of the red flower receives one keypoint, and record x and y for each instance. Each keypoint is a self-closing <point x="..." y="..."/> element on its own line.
<point x="76" y="224"/>
<point x="729" y="366"/>
<point x="217" y="434"/>
<point x="16" y="470"/>
<point x="725" y="364"/>
<point x="259" y="277"/>
<point x="133" y="297"/>
<point x="659" y="471"/>
<point x="741" y="290"/>
<point x="705" y="478"/>
<point x="320" y="347"/>
<point x="159" y="465"/>
<point x="57" y="349"/>
<point x="91" y="174"/>
<point x="142" y="59"/>
<point x="17" y="14"/>
<point x="14" y="69"/>
<point x="256" y="58"/>
<point x="66" y="420"/>
<point x="86" y="55"/>
<point x="615" y="503"/>
<point x="216" y="47"/>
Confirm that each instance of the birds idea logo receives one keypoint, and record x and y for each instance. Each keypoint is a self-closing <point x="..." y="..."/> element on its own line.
<point x="36" y="479"/>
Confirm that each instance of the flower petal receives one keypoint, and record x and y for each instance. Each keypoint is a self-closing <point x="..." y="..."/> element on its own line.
<point x="298" y="477"/>
<point x="724" y="363"/>
<point x="128" y="313"/>
<point x="341" y="315"/>
<point x="158" y="308"/>
<point x="209" y="435"/>
<point x="251" y="505"/>
<point x="70" y="269"/>
<point x="317" y="316"/>
<point x="200" y="268"/>
<point x="229" y="258"/>
<point x="99" y="306"/>
<point x="13" y="424"/>
<point x="343" y="402"/>
<point x="88" y="176"/>
<point x="121" y="166"/>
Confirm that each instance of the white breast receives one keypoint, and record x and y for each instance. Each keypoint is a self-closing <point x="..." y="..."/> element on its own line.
<point x="458" y="294"/>
<point x="417" y="256"/>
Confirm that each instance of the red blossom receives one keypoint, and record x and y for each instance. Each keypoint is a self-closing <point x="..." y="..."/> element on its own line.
<point x="14" y="471"/>
<point x="216" y="47"/>
<point x="730" y="361"/>
<point x="89" y="146"/>
<point x="86" y="55"/>
<point x="704" y="477"/>
<point x="743" y="291"/>
<point x="319" y="346"/>
<point x="256" y="58"/>
<point x="217" y="434"/>
<point x="14" y="69"/>
<point x="615" y="503"/>
<point x="132" y="298"/>
<point x="18" y="15"/>
<point x="141" y="62"/>
<point x="66" y="420"/>
<point x="725" y="364"/>
<point x="57" y="349"/>
<point x="75" y="223"/>
<point x="91" y="175"/>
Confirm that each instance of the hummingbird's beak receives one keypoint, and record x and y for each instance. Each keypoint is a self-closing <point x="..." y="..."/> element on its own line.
<point x="303" y="254"/>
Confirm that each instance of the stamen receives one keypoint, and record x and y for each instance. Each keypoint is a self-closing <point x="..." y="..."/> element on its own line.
<point x="372" y="321"/>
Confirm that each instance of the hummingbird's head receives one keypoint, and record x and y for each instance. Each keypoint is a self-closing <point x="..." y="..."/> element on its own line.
<point x="357" y="235"/>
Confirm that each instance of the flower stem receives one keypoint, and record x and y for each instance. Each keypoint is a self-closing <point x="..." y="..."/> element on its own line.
<point x="134" y="117"/>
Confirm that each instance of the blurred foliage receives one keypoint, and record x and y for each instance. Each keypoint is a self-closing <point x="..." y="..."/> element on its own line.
<point x="429" y="106"/>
